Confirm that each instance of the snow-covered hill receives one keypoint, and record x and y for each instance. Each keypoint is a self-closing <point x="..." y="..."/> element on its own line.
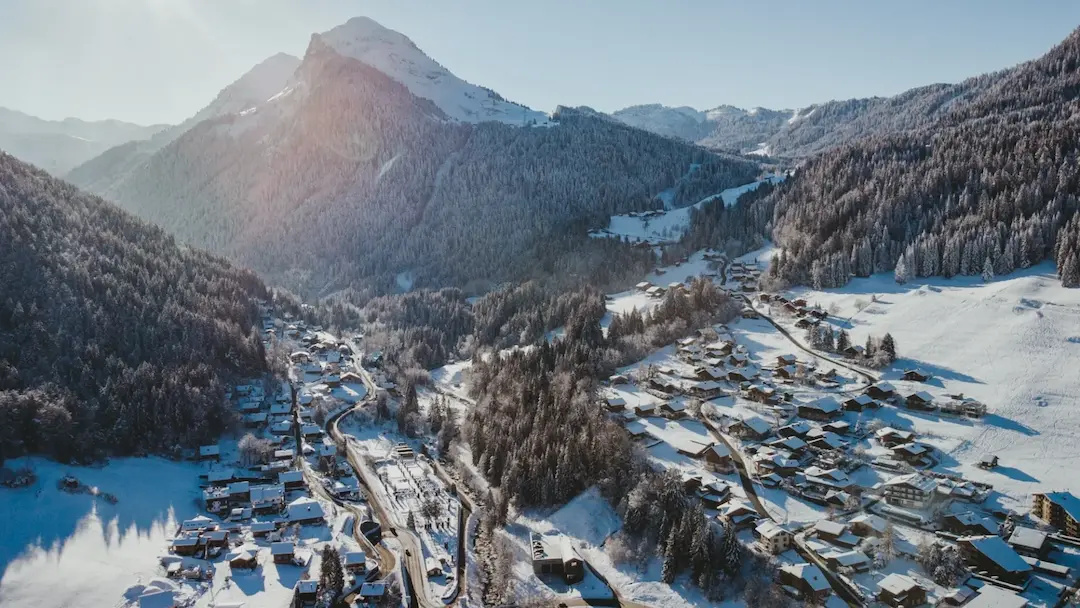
<point x="1012" y="343"/>
<point x="396" y="56"/>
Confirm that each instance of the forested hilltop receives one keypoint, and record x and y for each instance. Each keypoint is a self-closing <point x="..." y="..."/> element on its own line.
<point x="347" y="179"/>
<point x="989" y="187"/>
<point x="113" y="338"/>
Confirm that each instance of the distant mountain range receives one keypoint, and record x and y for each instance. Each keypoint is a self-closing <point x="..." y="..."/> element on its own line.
<point x="59" y="145"/>
<point x="369" y="160"/>
<point x="807" y="131"/>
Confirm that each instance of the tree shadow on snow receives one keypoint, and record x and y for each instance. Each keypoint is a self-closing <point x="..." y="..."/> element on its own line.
<point x="1015" y="474"/>
<point x="1009" y="424"/>
<point x="937" y="372"/>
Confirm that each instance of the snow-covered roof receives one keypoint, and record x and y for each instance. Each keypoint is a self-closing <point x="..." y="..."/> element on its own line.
<point x="770" y="529"/>
<point x="998" y="551"/>
<point x="1029" y="538"/>
<point x="922" y="396"/>
<point x="827" y="405"/>
<point x="915" y="480"/>
<point x="991" y="596"/>
<point x="307" y="586"/>
<point x="758" y="425"/>
<point x="354" y="558"/>
<point x="720" y="450"/>
<point x="290" y="476"/>
<point x="209" y="450"/>
<point x="263" y="526"/>
<point x="809" y="573"/>
<point x="897" y="584"/>
<point x="833" y="528"/>
<point x="372" y="589"/>
<point x="239" y="487"/>
<point x="281" y="548"/>
<point x="303" y="509"/>
<point x="874" y="522"/>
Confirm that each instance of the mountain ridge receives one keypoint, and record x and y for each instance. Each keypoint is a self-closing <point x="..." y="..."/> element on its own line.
<point x="347" y="177"/>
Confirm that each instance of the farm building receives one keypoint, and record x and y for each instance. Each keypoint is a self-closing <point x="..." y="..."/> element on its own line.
<point x="920" y="400"/>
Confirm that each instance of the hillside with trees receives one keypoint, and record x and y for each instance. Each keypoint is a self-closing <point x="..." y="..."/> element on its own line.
<point x="113" y="338"/>
<point x="347" y="179"/>
<point x="989" y="187"/>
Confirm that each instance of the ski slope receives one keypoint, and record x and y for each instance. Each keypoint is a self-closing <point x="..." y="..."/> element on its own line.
<point x="658" y="227"/>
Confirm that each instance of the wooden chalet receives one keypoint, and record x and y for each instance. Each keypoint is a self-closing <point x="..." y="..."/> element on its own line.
<point x="806" y="582"/>
<point x="282" y="552"/>
<point x="823" y="409"/>
<point x="881" y="390"/>
<point x="900" y="591"/>
<point x="994" y="558"/>
<point x="718" y="458"/>
<point x="916" y="375"/>
<point x="920" y="400"/>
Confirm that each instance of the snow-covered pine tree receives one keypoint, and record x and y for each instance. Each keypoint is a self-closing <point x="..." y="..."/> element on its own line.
<point x="888" y="346"/>
<point x="901" y="273"/>
<point x="843" y="341"/>
<point x="988" y="270"/>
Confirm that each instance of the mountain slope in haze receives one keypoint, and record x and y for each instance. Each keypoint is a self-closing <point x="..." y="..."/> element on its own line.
<point x="268" y="78"/>
<point x="725" y="127"/>
<point x="59" y="145"/>
<point x="809" y="130"/>
<point x="349" y="178"/>
<point x="989" y="185"/>
<point x="113" y="338"/>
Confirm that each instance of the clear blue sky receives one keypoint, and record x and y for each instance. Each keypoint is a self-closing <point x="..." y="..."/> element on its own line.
<point x="161" y="60"/>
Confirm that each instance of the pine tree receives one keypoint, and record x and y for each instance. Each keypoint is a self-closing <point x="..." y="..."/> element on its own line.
<point x="671" y="557"/>
<point x="1070" y="272"/>
<point x="870" y="348"/>
<point x="888" y="346"/>
<point x="901" y="273"/>
<point x="988" y="270"/>
<point x="829" y="342"/>
<point x="331" y="574"/>
<point x="843" y="341"/>
<point x="731" y="556"/>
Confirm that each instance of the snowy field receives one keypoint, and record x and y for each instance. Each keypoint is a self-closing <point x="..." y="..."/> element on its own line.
<point x="668" y="226"/>
<point x="1012" y="343"/>
<point x="61" y="549"/>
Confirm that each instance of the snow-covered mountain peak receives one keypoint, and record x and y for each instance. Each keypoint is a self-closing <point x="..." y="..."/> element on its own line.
<point x="396" y="56"/>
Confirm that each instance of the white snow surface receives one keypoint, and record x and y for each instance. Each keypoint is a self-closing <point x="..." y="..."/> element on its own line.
<point x="59" y="549"/>
<point x="396" y="56"/>
<point x="1012" y="343"/>
<point x="669" y="226"/>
